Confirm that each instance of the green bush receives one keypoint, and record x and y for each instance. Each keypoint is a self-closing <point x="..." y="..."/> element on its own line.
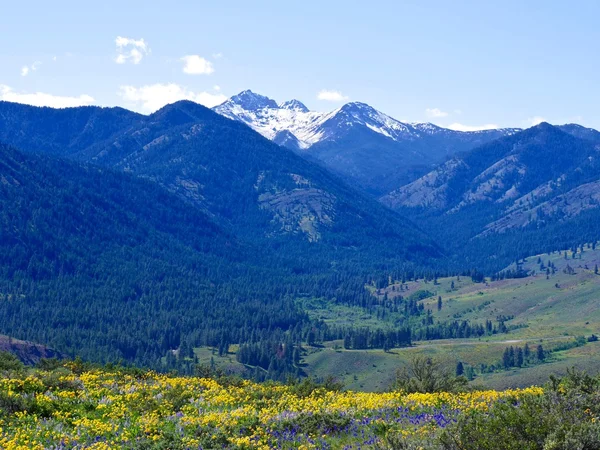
<point x="565" y="417"/>
<point x="9" y="362"/>
<point x="427" y="375"/>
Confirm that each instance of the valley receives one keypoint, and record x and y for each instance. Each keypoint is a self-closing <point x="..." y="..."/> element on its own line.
<point x="551" y="311"/>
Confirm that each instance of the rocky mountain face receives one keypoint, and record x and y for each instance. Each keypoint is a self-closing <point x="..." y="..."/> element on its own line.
<point x="28" y="352"/>
<point x="523" y="168"/>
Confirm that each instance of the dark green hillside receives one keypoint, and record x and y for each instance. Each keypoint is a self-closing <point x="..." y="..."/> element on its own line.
<point x="371" y="160"/>
<point x="248" y="185"/>
<point x="61" y="132"/>
<point x="110" y="267"/>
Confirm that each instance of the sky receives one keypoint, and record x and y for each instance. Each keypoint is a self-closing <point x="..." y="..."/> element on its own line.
<point x="460" y="64"/>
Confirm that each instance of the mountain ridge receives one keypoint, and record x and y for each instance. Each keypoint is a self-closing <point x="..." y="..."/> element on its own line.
<point x="248" y="101"/>
<point x="359" y="143"/>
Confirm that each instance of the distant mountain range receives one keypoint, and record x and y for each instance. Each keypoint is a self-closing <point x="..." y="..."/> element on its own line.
<point x="359" y="143"/>
<point x="449" y="182"/>
<point x="461" y="187"/>
<point x="540" y="186"/>
<point x="529" y="165"/>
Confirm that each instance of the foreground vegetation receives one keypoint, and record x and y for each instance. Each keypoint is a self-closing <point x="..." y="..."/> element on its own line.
<point x="73" y="405"/>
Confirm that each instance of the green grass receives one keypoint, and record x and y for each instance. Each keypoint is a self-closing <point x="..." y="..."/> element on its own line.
<point x="543" y="313"/>
<point x="228" y="363"/>
<point x="361" y="370"/>
<point x="342" y="315"/>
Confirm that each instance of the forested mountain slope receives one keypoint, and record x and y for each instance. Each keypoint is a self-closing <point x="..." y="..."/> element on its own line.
<point x="523" y="194"/>
<point x="61" y="132"/>
<point x="109" y="266"/>
<point x="244" y="182"/>
<point x="184" y="229"/>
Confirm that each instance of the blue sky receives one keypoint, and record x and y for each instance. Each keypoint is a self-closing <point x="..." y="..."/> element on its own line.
<point x="462" y="63"/>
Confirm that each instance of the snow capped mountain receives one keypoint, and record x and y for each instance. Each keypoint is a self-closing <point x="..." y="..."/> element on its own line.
<point x="270" y="119"/>
<point x="294" y="105"/>
<point x="358" y="142"/>
<point x="310" y="127"/>
<point x="360" y="114"/>
<point x="250" y="101"/>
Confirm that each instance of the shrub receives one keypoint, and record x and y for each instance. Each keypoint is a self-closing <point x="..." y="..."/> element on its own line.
<point x="565" y="417"/>
<point x="9" y="362"/>
<point x="427" y="375"/>
<point x="49" y="364"/>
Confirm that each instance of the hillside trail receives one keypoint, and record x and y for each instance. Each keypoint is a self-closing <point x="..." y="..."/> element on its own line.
<point x="508" y="341"/>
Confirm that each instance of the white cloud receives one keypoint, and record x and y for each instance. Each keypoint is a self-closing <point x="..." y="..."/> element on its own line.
<point x="216" y="87"/>
<point x="217" y="55"/>
<point x="533" y="121"/>
<point x="25" y="70"/>
<point x="130" y="50"/>
<point x="435" y="112"/>
<point x="197" y="65"/>
<point x="209" y="100"/>
<point x="461" y="127"/>
<point x="43" y="99"/>
<point x="149" y="98"/>
<point x="122" y="42"/>
<point x="331" y="96"/>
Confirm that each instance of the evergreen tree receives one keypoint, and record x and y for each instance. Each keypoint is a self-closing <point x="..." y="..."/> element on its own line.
<point x="460" y="369"/>
<point x="526" y="352"/>
<point x="469" y="373"/>
<point x="519" y="357"/>
<point x="506" y="360"/>
<point x="541" y="355"/>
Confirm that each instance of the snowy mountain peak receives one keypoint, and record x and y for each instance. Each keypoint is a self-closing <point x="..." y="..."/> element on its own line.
<point x="427" y="127"/>
<point x="360" y="114"/>
<point x="357" y="106"/>
<point x="361" y="111"/>
<point x="291" y="124"/>
<point x="251" y="101"/>
<point x="294" y="105"/>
